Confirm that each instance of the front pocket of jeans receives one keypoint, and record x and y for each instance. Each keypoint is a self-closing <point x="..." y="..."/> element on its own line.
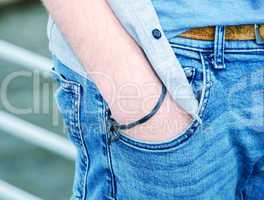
<point x="199" y="78"/>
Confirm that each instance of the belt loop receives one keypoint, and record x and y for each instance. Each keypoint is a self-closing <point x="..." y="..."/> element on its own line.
<point x="219" y="47"/>
<point x="259" y="37"/>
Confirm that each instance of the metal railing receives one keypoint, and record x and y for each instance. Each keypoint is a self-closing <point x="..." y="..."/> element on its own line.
<point x="24" y="130"/>
<point x="8" y="191"/>
<point x="26" y="58"/>
<point x="36" y="135"/>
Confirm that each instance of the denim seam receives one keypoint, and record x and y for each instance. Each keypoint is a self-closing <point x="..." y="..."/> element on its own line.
<point x="109" y="156"/>
<point x="207" y="84"/>
<point x="238" y="50"/>
<point x="210" y="49"/>
<point x="186" y="47"/>
<point x="77" y="116"/>
<point x="110" y="165"/>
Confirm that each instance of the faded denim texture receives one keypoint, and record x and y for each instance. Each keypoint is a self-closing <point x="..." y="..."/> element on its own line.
<point x="220" y="159"/>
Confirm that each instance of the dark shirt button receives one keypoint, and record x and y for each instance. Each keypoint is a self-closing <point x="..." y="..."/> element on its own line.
<point x="156" y="33"/>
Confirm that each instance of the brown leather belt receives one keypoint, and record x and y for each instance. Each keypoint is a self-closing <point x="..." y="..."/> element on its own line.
<point x="240" y="32"/>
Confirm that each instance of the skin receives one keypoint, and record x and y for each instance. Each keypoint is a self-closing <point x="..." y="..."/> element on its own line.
<point x="118" y="66"/>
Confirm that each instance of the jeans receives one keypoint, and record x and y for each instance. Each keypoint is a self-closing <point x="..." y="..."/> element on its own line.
<point x="221" y="158"/>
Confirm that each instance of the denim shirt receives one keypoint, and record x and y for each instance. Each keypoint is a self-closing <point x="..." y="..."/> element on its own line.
<point x="148" y="33"/>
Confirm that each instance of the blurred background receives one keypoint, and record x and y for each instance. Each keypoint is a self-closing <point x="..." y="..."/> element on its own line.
<point x="31" y="165"/>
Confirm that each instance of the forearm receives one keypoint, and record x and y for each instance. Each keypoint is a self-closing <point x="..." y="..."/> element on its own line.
<point x="90" y="27"/>
<point x="117" y="65"/>
<point x="103" y="46"/>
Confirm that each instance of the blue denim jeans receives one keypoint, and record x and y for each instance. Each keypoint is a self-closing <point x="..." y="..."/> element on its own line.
<point x="221" y="158"/>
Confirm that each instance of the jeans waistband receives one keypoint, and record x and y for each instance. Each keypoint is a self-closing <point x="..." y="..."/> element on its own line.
<point x="237" y="32"/>
<point x="219" y="46"/>
<point x="208" y="45"/>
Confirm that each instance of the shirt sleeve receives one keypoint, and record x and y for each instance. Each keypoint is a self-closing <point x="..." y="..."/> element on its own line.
<point x="141" y="21"/>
